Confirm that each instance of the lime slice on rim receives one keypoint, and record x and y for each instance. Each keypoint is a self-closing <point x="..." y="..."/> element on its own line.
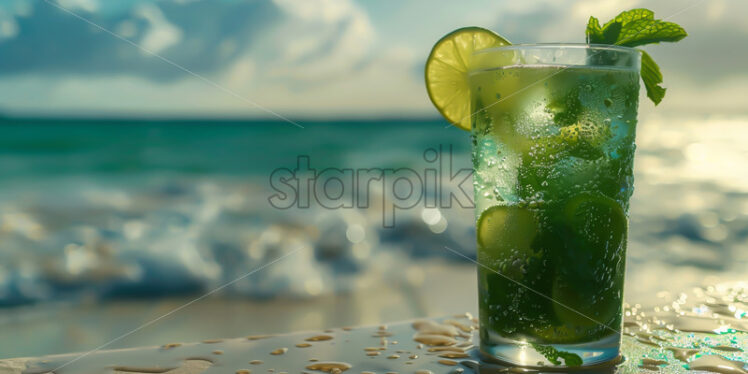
<point x="447" y="68"/>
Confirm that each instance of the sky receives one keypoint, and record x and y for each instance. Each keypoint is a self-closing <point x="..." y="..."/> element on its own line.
<point x="317" y="58"/>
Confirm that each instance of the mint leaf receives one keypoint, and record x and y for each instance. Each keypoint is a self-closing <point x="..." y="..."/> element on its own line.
<point x="565" y="109"/>
<point x="633" y="28"/>
<point x="645" y="31"/>
<point x="652" y="78"/>
<point x="628" y="16"/>
<point x="611" y="33"/>
<point x="639" y="27"/>
<point x="594" y="32"/>
<point x="553" y="355"/>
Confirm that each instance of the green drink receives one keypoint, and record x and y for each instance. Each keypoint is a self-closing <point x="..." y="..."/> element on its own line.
<point x="553" y="147"/>
<point x="553" y="130"/>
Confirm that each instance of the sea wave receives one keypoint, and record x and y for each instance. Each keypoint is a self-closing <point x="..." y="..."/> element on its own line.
<point x="151" y="209"/>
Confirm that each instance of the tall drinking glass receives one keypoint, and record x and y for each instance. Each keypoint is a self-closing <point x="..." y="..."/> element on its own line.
<point x="553" y="131"/>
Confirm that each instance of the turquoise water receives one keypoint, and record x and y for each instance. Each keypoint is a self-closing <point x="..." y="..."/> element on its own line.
<point x="139" y="208"/>
<point x="110" y="209"/>
<point x="50" y="148"/>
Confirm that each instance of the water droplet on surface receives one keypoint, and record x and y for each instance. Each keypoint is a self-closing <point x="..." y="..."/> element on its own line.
<point x="330" y="367"/>
<point x="717" y="364"/>
<point x="433" y="340"/>
<point x="446" y="349"/>
<point x="279" y="351"/>
<point x="726" y="348"/>
<point x="463" y="327"/>
<point x="653" y="362"/>
<point x="431" y="327"/>
<point x="454" y="355"/>
<point x="319" y="338"/>
<point x="258" y="337"/>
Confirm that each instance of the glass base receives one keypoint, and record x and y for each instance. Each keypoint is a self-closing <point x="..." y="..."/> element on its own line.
<point x="600" y="353"/>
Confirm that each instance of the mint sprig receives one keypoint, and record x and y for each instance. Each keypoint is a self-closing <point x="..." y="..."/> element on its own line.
<point x="634" y="28"/>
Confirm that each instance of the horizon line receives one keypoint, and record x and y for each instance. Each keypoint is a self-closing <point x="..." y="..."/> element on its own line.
<point x="4" y="118"/>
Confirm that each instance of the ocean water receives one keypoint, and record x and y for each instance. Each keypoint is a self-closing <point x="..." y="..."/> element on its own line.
<point x="112" y="209"/>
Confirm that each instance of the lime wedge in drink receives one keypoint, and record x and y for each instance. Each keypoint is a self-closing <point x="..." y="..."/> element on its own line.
<point x="595" y="235"/>
<point x="597" y="222"/>
<point x="506" y="228"/>
<point x="589" y="309"/>
<point x="586" y="138"/>
<point x="505" y="237"/>
<point x="517" y="274"/>
<point x="447" y="68"/>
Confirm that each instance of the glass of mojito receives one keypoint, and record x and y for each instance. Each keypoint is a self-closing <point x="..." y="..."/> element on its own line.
<point x="552" y="130"/>
<point x="552" y="127"/>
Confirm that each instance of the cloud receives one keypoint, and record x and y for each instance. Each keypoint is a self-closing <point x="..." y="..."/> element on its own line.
<point x="194" y="34"/>
<point x="380" y="87"/>
<point x="315" y="57"/>
<point x="85" y="5"/>
<point x="385" y="84"/>
<point x="274" y="50"/>
<point x="160" y="34"/>
<point x="319" y="40"/>
<point x="297" y="40"/>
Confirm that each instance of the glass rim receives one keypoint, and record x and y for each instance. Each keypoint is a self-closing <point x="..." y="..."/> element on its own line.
<point x="557" y="54"/>
<point x="601" y="47"/>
